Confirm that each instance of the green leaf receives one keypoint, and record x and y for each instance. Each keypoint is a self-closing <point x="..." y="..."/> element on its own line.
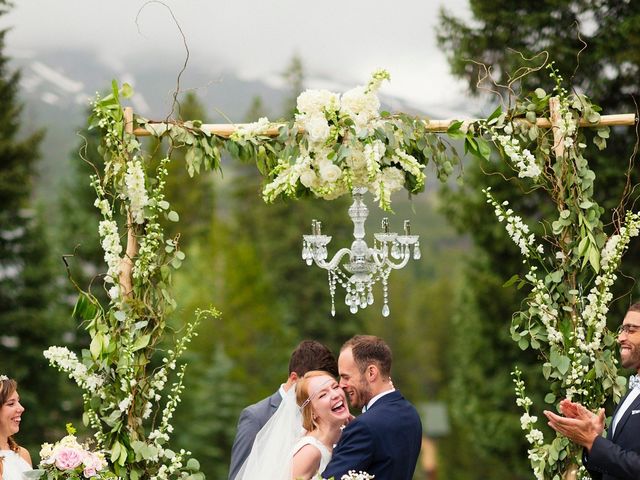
<point x="173" y="216"/>
<point x="454" y="130"/>
<point x="523" y="343"/>
<point x="163" y="204"/>
<point x="193" y="465"/>
<point x="556" y="276"/>
<point x="563" y="364"/>
<point x="511" y="281"/>
<point x="141" y="342"/>
<point x="594" y="258"/>
<point x="540" y="93"/>
<point x="96" y="345"/>
<point x="115" y="451"/>
<point x="484" y="148"/>
<point x="550" y="398"/>
<point x="494" y="116"/>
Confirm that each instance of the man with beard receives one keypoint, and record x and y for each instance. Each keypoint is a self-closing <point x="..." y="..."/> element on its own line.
<point x="616" y="457"/>
<point x="385" y="440"/>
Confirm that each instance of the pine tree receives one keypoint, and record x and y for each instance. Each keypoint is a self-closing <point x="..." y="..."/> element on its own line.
<point x="30" y="318"/>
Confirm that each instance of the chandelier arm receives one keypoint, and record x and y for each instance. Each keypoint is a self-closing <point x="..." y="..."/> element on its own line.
<point x="335" y="261"/>
<point x="375" y="255"/>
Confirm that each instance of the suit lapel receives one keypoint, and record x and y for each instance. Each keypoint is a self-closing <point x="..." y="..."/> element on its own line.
<point x="635" y="405"/>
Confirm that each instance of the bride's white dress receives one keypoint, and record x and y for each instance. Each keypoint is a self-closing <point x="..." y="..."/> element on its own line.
<point x="325" y="454"/>
<point x="14" y="465"/>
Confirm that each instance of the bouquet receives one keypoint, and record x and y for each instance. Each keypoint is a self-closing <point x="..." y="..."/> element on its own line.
<point x="68" y="458"/>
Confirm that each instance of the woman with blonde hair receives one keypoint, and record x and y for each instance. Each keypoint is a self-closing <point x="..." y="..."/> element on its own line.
<point x="323" y="406"/>
<point x="14" y="459"/>
<point x="297" y="441"/>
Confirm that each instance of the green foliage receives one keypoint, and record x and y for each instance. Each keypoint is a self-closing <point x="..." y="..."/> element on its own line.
<point x="30" y="311"/>
<point x="486" y="41"/>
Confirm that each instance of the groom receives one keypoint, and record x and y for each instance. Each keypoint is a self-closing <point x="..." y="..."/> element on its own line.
<point x="385" y="440"/>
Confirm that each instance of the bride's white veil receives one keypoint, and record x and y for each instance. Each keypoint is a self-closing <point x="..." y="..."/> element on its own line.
<point x="271" y="454"/>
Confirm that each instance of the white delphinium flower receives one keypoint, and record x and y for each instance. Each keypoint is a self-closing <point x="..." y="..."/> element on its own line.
<point x="516" y="228"/>
<point x="409" y="164"/>
<point x="67" y="361"/>
<point x="373" y="155"/>
<point x="124" y="404"/>
<point x="523" y="159"/>
<point x="135" y="190"/>
<point x="535" y="437"/>
<point x="103" y="206"/>
<point x="526" y="421"/>
<point x="108" y="231"/>
<point x="599" y="297"/>
<point x="377" y="78"/>
<point x="388" y="180"/>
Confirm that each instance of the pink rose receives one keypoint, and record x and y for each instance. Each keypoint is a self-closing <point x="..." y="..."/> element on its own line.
<point x="68" y="458"/>
<point x="89" y="472"/>
<point x="92" y="463"/>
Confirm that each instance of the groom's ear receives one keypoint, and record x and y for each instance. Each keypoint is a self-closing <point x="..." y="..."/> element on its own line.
<point x="372" y="372"/>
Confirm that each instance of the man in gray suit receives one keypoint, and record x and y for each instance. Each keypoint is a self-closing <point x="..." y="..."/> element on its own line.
<point x="308" y="355"/>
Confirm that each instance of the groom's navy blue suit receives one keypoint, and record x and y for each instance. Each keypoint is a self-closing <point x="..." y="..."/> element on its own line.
<point x="384" y="441"/>
<point x="617" y="457"/>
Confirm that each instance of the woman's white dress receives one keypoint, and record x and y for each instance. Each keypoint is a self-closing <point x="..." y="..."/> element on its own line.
<point x="13" y="465"/>
<point x="325" y="454"/>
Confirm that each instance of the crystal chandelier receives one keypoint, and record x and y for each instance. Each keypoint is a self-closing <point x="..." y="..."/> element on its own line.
<point x="364" y="265"/>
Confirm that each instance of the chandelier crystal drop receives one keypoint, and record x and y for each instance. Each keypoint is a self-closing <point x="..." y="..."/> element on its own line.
<point x="363" y="266"/>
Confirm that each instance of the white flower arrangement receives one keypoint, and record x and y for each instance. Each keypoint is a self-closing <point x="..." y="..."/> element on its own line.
<point x="345" y="148"/>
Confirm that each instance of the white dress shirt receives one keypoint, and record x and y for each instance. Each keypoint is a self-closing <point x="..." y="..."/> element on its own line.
<point x="625" y="405"/>
<point x="375" y="399"/>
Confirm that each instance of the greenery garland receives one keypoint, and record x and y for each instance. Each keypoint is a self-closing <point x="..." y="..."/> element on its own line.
<point x="335" y="143"/>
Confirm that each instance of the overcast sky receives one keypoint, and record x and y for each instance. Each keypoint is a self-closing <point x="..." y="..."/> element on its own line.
<point x="340" y="39"/>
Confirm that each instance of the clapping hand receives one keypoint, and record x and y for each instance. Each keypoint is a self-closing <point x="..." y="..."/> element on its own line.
<point x="579" y="425"/>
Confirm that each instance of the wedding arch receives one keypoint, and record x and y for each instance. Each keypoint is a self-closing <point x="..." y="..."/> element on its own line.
<point x="335" y="144"/>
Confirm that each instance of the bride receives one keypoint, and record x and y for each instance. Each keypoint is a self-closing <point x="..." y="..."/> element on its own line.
<point x="297" y="441"/>
<point x="14" y="460"/>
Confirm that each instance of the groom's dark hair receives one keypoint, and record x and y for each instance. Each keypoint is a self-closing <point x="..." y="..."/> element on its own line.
<point x="368" y="349"/>
<point x="312" y="355"/>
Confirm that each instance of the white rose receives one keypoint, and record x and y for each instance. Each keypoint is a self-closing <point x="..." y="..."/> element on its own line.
<point x="329" y="172"/>
<point x="317" y="128"/>
<point x="308" y="178"/>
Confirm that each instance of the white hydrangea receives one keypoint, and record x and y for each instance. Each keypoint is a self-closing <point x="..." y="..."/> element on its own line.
<point x="360" y="105"/>
<point x="316" y="102"/>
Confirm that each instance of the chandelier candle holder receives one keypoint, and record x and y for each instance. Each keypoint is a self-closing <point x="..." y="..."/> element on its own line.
<point x="363" y="266"/>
